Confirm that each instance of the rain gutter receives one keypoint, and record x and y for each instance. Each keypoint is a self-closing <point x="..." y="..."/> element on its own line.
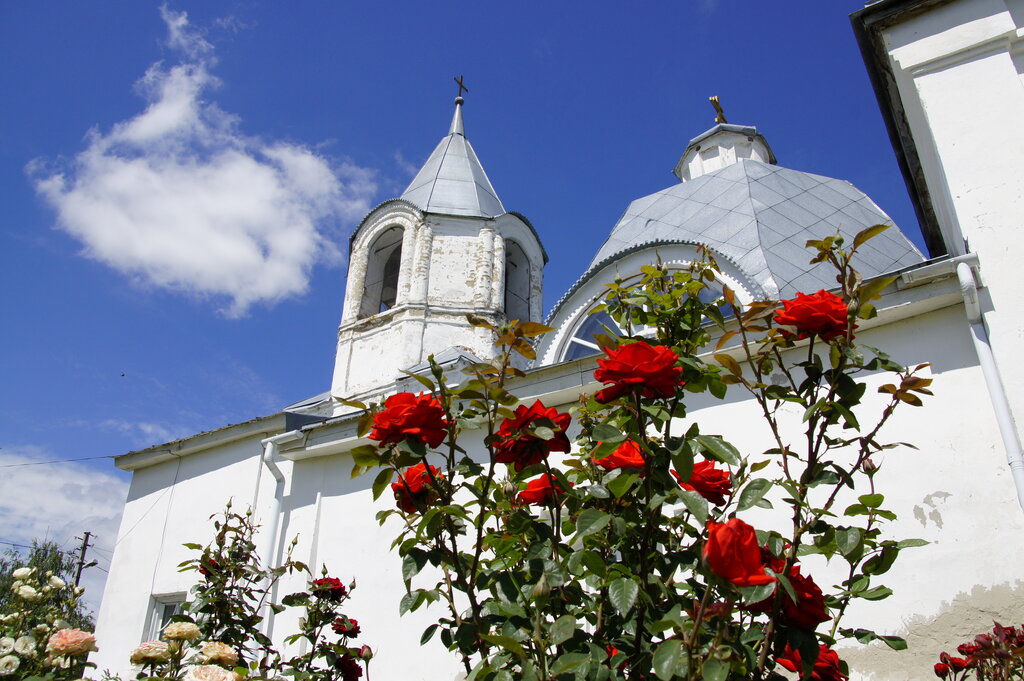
<point x="1001" y="406"/>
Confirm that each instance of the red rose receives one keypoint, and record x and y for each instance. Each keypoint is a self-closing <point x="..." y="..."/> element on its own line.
<point x="540" y="491"/>
<point x="413" y="487"/>
<point x="826" y="667"/>
<point x="819" y="314"/>
<point x="328" y="588"/>
<point x="627" y="455"/>
<point x="732" y="552"/>
<point x="809" y="610"/>
<point x="346" y="626"/>
<point x="957" y="664"/>
<point x="709" y="481"/>
<point x="522" y="448"/>
<point x="349" y="668"/>
<point x="941" y="670"/>
<point x="651" y="369"/>
<point x="612" y="651"/>
<point x="410" y="417"/>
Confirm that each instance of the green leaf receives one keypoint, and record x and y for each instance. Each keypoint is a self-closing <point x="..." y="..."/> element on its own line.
<point x="719" y="449"/>
<point x="868" y="233"/>
<point x="695" y="504"/>
<point x="756" y="594"/>
<point x="871" y="500"/>
<point x="622" y="592"/>
<point x="894" y="642"/>
<point x="594" y="562"/>
<point x="382" y="480"/>
<point x="509" y="644"/>
<point x="666" y="659"/>
<point x="412" y="563"/>
<point x="428" y="633"/>
<point x="542" y="432"/>
<point x="848" y="539"/>
<point x="753" y="493"/>
<point x="562" y="629"/>
<point x="878" y="593"/>
<point x="714" y="670"/>
<point x="590" y="521"/>
<point x="567" y="662"/>
<point x="422" y="380"/>
<point x="605" y="433"/>
<point x="912" y="543"/>
<point x="621" y="484"/>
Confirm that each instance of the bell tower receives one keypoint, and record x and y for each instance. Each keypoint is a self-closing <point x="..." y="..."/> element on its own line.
<point x="420" y="263"/>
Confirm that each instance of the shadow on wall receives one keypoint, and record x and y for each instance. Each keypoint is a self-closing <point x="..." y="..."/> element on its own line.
<point x="958" y="621"/>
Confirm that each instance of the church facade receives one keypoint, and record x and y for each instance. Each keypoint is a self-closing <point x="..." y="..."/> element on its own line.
<point x="447" y="247"/>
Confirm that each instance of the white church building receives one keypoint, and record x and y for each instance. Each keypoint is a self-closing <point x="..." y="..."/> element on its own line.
<point x="950" y="80"/>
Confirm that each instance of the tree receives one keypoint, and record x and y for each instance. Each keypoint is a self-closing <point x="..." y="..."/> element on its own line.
<point x="45" y="557"/>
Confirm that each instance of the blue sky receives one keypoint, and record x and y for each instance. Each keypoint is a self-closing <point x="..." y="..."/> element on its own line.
<point x="178" y="192"/>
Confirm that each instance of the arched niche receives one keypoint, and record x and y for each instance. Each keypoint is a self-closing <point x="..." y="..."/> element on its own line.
<point x="517" y="282"/>
<point x="383" y="267"/>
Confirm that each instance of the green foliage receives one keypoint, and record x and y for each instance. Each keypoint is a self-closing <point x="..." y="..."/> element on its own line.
<point x="44" y="557"/>
<point x="615" y="572"/>
<point x="38" y="606"/>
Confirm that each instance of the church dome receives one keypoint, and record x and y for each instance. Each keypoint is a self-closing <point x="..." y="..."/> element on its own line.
<point x="754" y="216"/>
<point x="759" y="216"/>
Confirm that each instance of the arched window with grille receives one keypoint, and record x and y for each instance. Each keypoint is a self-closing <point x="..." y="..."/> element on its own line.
<point x="517" y="283"/>
<point x="380" y="291"/>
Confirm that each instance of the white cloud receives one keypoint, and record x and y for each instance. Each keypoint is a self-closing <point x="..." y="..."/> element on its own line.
<point x="179" y="198"/>
<point x="143" y="434"/>
<point x="59" y="502"/>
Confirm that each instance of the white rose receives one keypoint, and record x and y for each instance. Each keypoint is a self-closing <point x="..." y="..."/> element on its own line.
<point x="6" y="645"/>
<point x="56" y="582"/>
<point x="208" y="672"/>
<point x="25" y="646"/>
<point x="22" y="573"/>
<point x="61" y="624"/>
<point x="8" y="665"/>
<point x="28" y="593"/>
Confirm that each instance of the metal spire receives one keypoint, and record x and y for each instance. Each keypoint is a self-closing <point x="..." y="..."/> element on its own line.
<point x="457" y="128"/>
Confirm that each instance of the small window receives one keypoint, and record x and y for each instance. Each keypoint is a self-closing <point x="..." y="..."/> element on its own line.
<point x="384" y="264"/>
<point x="517" y="283"/>
<point x="162" y="609"/>
<point x="582" y="344"/>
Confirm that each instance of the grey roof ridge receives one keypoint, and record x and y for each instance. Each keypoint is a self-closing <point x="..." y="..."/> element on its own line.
<point x="437" y="172"/>
<point x="594" y="269"/>
<point x="757" y="221"/>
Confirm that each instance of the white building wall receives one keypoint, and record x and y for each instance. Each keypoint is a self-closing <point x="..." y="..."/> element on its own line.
<point x="959" y="71"/>
<point x="954" y="491"/>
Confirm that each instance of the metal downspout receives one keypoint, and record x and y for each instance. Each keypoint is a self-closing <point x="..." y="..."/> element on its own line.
<point x="270" y="447"/>
<point x="1000" y="405"/>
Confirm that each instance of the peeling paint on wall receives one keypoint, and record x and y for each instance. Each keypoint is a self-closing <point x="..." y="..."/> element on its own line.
<point x="959" y="620"/>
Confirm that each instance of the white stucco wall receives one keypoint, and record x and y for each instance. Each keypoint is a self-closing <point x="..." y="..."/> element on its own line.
<point x="959" y="70"/>
<point x="954" y="492"/>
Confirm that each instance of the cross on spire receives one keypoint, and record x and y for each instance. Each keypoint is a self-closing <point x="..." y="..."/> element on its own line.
<point x="461" y="86"/>
<point x="719" y="114"/>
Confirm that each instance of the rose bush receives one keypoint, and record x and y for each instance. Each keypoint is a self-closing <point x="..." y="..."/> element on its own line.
<point x="640" y="566"/>
<point x="995" y="656"/>
<point x="36" y="641"/>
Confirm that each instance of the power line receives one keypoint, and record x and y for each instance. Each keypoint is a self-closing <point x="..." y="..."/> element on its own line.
<point x="26" y="546"/>
<point x="40" y="463"/>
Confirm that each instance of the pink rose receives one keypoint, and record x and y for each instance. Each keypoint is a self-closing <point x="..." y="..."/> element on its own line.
<point x="71" y="642"/>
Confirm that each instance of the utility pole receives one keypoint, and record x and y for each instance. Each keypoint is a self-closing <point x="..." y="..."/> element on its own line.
<point x="81" y="558"/>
